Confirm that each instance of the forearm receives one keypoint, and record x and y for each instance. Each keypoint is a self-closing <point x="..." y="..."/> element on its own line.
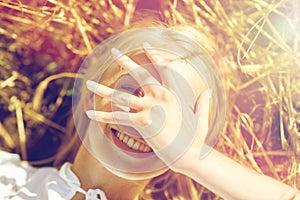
<point x="231" y="180"/>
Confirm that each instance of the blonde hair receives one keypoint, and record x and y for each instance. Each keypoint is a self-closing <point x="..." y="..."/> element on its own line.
<point x="175" y="39"/>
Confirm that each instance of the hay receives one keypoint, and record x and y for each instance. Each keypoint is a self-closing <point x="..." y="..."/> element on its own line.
<point x="42" y="44"/>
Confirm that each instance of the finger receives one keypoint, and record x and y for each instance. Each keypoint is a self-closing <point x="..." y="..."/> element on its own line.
<point x="156" y="59"/>
<point x="119" y="118"/>
<point x="134" y="120"/>
<point x="162" y="65"/>
<point x="117" y="97"/>
<point x="202" y="110"/>
<point x="153" y="55"/>
<point x="202" y="104"/>
<point x="141" y="75"/>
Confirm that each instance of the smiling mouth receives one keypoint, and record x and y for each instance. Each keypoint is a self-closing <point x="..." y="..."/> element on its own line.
<point x="129" y="143"/>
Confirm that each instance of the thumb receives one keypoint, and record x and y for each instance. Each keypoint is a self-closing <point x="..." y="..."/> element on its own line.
<point x="202" y="111"/>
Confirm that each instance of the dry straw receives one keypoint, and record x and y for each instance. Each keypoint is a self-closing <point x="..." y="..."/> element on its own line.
<point x="42" y="44"/>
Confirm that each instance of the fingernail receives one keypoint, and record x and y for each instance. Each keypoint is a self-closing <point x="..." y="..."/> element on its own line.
<point x="91" y="114"/>
<point x="146" y="45"/>
<point x="91" y="85"/>
<point x="209" y="92"/>
<point x="116" y="53"/>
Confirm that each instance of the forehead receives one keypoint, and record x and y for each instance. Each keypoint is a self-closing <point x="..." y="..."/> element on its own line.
<point x="113" y="73"/>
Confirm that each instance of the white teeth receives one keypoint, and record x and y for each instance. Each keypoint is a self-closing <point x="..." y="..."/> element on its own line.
<point x="141" y="146"/>
<point x="146" y="149"/>
<point x="120" y="136"/>
<point x="136" y="145"/>
<point x="125" y="139"/>
<point x="130" y="142"/>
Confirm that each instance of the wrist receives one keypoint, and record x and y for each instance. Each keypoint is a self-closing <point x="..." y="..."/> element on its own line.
<point x="191" y="159"/>
<point x="186" y="161"/>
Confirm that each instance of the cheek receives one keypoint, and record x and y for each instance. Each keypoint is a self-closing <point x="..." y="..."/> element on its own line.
<point x="102" y="104"/>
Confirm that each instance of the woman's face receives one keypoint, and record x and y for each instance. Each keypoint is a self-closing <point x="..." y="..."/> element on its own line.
<point x="126" y="139"/>
<point x="124" y="82"/>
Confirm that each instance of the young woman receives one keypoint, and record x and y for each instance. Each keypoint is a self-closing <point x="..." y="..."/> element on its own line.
<point x="119" y="147"/>
<point x="153" y="107"/>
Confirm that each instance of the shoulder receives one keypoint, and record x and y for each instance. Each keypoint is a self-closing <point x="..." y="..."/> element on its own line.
<point x="19" y="180"/>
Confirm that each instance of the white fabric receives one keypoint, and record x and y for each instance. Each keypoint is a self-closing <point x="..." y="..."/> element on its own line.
<point x="18" y="180"/>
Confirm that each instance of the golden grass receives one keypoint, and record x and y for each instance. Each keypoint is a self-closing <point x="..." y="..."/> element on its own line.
<point x="42" y="44"/>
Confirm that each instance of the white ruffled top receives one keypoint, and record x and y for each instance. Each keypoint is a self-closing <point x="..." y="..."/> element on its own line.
<point x="19" y="180"/>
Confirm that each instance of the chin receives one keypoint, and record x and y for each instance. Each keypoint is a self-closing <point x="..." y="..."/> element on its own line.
<point x="137" y="176"/>
<point x="122" y="152"/>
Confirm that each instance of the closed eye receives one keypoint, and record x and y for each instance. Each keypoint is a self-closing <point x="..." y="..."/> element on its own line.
<point x="135" y="91"/>
<point x="128" y="84"/>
